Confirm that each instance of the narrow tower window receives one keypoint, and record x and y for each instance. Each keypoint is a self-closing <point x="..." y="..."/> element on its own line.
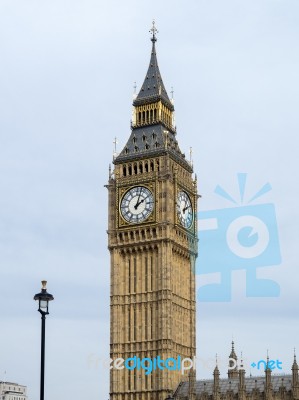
<point x="129" y="275"/>
<point x="135" y="275"/>
<point x="146" y="274"/>
<point x="129" y="323"/>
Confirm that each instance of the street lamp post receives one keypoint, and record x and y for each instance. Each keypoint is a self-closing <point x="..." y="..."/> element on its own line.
<point x="43" y="307"/>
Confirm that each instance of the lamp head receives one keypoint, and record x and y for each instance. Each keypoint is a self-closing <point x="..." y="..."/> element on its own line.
<point x="43" y="299"/>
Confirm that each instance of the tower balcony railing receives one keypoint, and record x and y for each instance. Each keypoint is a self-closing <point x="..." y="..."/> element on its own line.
<point x="152" y="121"/>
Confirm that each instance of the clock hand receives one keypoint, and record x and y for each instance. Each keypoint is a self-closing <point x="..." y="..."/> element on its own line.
<point x="137" y="203"/>
<point x="186" y="208"/>
<point x="141" y="201"/>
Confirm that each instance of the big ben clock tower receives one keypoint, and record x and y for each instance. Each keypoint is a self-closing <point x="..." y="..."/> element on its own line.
<point x="152" y="236"/>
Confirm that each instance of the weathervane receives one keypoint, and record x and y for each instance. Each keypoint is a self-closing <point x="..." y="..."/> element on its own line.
<point x="154" y="31"/>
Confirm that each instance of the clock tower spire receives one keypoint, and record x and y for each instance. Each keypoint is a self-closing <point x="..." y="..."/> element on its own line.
<point x="153" y="130"/>
<point x="152" y="239"/>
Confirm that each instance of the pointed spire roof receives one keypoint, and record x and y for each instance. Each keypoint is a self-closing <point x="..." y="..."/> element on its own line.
<point x="268" y="369"/>
<point x="153" y="131"/>
<point x="232" y="353"/>
<point x="216" y="369"/>
<point x="295" y="365"/>
<point x="232" y="365"/>
<point x="153" y="88"/>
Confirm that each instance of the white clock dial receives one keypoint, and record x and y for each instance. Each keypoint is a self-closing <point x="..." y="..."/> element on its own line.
<point x="137" y="204"/>
<point x="184" y="209"/>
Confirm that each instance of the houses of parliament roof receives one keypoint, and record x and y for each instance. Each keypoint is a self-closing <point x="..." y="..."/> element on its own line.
<point x="232" y="385"/>
<point x="239" y="387"/>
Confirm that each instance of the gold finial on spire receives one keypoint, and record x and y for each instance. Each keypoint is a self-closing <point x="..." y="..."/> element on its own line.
<point x="154" y="31"/>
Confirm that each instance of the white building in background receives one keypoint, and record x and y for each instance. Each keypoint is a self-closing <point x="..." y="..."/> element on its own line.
<point x="12" y="391"/>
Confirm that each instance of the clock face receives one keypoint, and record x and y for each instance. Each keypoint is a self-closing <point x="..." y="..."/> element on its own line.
<point x="184" y="209"/>
<point x="137" y="204"/>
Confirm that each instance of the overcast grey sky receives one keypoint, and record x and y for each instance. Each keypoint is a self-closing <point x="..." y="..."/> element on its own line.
<point x="66" y="80"/>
